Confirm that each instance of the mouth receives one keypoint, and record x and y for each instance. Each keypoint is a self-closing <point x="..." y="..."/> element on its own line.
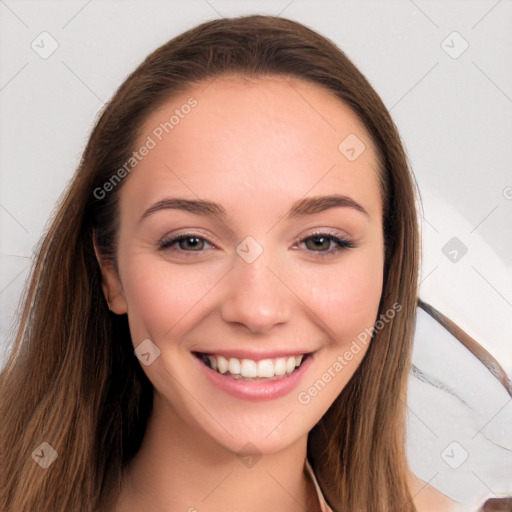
<point x="250" y="370"/>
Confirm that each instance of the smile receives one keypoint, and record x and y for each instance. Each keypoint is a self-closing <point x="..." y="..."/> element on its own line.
<point x="248" y="369"/>
<point x="280" y="375"/>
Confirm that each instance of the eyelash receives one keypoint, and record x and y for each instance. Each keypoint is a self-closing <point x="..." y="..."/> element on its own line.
<point x="341" y="243"/>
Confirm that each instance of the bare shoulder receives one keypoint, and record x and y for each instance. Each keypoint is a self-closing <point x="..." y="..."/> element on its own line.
<point x="427" y="498"/>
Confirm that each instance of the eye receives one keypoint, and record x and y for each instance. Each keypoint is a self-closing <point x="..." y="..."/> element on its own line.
<point x="326" y="243"/>
<point x="186" y="243"/>
<point x="321" y="243"/>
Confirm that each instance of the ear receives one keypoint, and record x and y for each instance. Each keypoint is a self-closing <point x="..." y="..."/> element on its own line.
<point x="111" y="284"/>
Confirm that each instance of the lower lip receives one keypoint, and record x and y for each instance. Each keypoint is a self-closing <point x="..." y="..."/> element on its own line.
<point x="256" y="390"/>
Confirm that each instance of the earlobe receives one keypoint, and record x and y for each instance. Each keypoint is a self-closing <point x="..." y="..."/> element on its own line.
<point x="112" y="289"/>
<point x="111" y="285"/>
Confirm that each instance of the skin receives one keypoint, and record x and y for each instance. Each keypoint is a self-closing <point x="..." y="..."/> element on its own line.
<point x="254" y="147"/>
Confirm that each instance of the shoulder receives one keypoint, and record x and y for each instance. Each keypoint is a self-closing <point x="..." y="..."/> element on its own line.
<point x="427" y="498"/>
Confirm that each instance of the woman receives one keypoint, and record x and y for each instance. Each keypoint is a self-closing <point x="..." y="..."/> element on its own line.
<point x="243" y="221"/>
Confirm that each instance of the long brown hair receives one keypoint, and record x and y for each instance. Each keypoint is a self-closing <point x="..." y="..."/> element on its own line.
<point x="72" y="379"/>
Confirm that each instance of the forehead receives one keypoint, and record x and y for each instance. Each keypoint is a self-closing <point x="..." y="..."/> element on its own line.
<point x="237" y="140"/>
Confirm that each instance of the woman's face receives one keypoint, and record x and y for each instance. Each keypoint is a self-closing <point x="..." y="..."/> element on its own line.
<point x="259" y="274"/>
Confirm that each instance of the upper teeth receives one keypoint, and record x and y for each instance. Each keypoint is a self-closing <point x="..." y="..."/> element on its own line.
<point x="250" y="368"/>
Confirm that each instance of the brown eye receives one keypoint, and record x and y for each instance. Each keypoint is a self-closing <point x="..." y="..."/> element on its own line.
<point x="183" y="243"/>
<point x="190" y="242"/>
<point x="321" y="244"/>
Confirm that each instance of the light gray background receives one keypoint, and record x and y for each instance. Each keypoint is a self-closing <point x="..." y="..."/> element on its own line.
<point x="454" y="115"/>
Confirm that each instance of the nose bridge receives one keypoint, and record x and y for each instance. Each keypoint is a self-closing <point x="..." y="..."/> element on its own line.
<point x="257" y="298"/>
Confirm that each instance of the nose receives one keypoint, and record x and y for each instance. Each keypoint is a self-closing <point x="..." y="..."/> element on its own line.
<point x="257" y="298"/>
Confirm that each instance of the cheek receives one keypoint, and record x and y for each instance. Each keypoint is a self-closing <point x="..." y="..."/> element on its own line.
<point x="346" y="296"/>
<point x="160" y="296"/>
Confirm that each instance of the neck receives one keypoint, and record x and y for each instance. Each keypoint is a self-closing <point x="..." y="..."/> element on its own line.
<point x="179" y="468"/>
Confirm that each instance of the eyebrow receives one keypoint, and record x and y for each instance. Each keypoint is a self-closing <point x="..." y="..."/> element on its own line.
<point x="305" y="206"/>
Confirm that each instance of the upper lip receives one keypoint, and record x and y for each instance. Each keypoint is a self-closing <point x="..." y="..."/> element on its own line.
<point x="255" y="356"/>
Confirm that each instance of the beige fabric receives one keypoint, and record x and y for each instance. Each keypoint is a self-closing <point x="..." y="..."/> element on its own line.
<point x="323" y="505"/>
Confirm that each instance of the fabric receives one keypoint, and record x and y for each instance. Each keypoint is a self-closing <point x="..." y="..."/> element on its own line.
<point x="323" y="504"/>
